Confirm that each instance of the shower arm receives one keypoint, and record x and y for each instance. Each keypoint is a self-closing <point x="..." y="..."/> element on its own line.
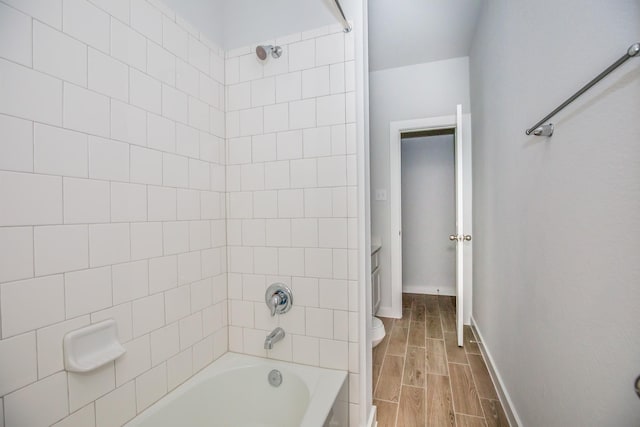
<point x="345" y="23"/>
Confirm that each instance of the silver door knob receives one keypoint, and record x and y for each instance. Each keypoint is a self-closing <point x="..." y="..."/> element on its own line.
<point x="467" y="237"/>
<point x="453" y="237"/>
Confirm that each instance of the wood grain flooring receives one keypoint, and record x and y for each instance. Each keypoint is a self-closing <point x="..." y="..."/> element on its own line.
<point x="494" y="414"/>
<point x="439" y="405"/>
<point x="414" y="367"/>
<point x="469" y="421"/>
<point x="411" y="409"/>
<point x="386" y="412"/>
<point x="421" y="378"/>
<point x="463" y="389"/>
<point x="481" y="377"/>
<point x="436" y="357"/>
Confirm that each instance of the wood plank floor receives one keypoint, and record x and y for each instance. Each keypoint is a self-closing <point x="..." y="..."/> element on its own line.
<point x="421" y="378"/>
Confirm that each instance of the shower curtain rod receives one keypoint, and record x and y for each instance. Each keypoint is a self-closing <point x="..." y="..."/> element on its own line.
<point x="345" y="23"/>
<point x="547" y="130"/>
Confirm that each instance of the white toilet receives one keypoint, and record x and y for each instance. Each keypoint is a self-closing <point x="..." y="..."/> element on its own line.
<point x="377" y="331"/>
<point x="377" y="327"/>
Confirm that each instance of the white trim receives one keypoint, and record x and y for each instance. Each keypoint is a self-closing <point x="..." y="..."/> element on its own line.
<point x="429" y="290"/>
<point x="503" y="394"/>
<point x="360" y="33"/>
<point x="373" y="417"/>
<point x="468" y="216"/>
<point x="395" y="196"/>
<point x="386" y="312"/>
<point x="460" y="229"/>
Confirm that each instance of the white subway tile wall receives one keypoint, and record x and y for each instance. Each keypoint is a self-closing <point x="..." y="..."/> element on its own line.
<point x="292" y="204"/>
<point x="150" y="177"/>
<point x="111" y="190"/>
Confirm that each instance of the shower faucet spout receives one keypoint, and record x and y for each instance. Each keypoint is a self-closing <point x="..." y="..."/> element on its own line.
<point x="276" y="335"/>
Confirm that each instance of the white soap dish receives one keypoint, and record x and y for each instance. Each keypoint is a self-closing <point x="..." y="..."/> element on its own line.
<point x="91" y="347"/>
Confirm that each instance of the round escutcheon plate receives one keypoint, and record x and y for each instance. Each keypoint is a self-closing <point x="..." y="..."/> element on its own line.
<point x="275" y="378"/>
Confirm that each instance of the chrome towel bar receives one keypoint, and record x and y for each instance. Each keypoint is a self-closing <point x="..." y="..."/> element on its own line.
<point x="547" y="130"/>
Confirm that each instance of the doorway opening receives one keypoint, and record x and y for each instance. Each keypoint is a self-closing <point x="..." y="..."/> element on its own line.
<point x="458" y="237"/>
<point x="428" y="212"/>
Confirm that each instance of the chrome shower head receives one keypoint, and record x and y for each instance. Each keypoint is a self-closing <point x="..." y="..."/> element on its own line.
<point x="263" y="51"/>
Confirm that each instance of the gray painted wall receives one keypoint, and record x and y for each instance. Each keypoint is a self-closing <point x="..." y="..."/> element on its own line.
<point x="428" y="214"/>
<point x="418" y="91"/>
<point x="557" y="223"/>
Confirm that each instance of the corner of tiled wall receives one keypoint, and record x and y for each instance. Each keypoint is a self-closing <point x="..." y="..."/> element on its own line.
<point x="112" y="182"/>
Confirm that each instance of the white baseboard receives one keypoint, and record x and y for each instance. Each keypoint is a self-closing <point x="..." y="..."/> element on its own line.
<point x="503" y="394"/>
<point x="414" y="289"/>
<point x="373" y="421"/>
<point x="429" y="290"/>
<point x="388" y="312"/>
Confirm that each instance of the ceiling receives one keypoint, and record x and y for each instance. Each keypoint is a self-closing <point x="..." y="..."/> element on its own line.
<point x="205" y="15"/>
<point x="401" y="32"/>
<point x="407" y="32"/>
<point x="237" y="23"/>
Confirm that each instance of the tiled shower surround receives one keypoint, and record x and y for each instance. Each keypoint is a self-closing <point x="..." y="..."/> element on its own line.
<point x="291" y="199"/>
<point x="138" y="164"/>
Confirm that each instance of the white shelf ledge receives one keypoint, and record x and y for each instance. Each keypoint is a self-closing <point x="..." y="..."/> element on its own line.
<point x="91" y="347"/>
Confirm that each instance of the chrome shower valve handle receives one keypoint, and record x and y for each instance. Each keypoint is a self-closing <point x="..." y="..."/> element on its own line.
<point x="274" y="303"/>
<point x="279" y="298"/>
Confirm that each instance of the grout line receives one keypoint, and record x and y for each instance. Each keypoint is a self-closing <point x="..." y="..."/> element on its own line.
<point x="475" y="383"/>
<point x="388" y="401"/>
<point x="404" y="363"/>
<point x="458" y="363"/>
<point x="447" y="360"/>
<point x="398" y="404"/>
<point x="468" y="415"/>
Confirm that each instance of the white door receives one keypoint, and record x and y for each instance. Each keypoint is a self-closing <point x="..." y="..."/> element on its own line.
<point x="460" y="238"/>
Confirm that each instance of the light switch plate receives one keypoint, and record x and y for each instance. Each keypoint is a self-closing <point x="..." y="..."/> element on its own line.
<point x="381" y="194"/>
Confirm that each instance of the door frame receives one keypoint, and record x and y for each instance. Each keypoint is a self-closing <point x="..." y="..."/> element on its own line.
<point x="396" y="129"/>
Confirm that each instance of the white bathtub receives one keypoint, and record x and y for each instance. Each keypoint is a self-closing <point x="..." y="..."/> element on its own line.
<point x="234" y="391"/>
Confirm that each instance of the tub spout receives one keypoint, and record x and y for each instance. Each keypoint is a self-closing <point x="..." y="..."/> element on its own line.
<point x="276" y="335"/>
